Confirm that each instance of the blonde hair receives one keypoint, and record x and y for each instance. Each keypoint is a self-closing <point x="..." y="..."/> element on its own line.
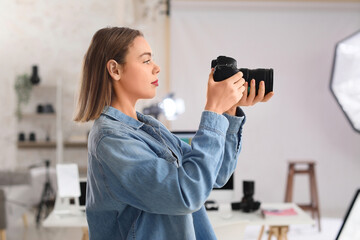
<point x="95" y="87"/>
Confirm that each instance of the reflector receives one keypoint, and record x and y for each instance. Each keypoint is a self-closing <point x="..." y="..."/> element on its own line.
<point x="345" y="79"/>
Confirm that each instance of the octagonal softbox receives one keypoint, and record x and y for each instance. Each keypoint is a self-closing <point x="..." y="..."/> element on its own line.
<point x="345" y="79"/>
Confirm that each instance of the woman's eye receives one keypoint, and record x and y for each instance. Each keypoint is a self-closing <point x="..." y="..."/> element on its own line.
<point x="147" y="61"/>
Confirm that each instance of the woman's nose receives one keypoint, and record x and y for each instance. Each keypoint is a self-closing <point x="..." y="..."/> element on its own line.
<point x="156" y="69"/>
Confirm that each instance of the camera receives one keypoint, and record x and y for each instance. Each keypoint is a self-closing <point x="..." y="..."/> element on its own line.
<point x="225" y="67"/>
<point x="247" y="203"/>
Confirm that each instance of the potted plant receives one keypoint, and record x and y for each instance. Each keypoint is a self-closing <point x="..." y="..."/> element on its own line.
<point x="23" y="87"/>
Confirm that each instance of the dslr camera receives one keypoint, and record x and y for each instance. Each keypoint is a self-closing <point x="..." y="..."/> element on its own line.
<point x="247" y="204"/>
<point x="225" y="67"/>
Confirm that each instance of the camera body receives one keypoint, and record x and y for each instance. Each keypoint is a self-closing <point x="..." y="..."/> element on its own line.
<point x="225" y="67"/>
<point x="247" y="204"/>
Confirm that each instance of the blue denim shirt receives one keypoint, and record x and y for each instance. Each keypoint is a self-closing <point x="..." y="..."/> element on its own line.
<point x="145" y="183"/>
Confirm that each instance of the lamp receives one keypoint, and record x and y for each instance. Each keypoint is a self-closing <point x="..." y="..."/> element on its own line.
<point x="345" y="79"/>
<point x="35" y="79"/>
<point x="169" y="106"/>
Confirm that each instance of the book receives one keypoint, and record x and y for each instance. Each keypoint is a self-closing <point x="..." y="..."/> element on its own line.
<point x="279" y="212"/>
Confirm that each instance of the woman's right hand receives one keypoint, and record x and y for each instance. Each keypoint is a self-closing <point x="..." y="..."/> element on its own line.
<point x="221" y="96"/>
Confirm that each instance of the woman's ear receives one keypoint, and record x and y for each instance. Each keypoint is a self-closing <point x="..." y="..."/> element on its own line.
<point x="114" y="69"/>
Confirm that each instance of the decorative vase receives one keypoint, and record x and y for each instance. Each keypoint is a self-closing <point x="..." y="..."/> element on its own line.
<point x="35" y="79"/>
<point x="21" y="137"/>
<point x="32" y="137"/>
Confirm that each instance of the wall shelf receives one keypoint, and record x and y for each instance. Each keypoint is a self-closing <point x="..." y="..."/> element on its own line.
<point x="75" y="144"/>
<point x="37" y="144"/>
<point x="37" y="115"/>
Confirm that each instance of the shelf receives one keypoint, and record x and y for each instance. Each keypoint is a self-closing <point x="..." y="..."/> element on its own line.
<point x="50" y="144"/>
<point x="75" y="144"/>
<point x="37" y="115"/>
<point x="36" y="144"/>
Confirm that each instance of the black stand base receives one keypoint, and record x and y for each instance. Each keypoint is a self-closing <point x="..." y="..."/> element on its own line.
<point x="47" y="198"/>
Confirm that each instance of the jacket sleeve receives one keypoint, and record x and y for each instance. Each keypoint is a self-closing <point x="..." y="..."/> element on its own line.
<point x="135" y="175"/>
<point x="232" y="149"/>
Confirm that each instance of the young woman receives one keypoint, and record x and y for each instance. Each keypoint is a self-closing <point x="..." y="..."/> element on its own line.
<point x="144" y="182"/>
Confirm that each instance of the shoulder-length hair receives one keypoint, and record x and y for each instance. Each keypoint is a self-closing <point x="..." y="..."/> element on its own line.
<point x="96" y="87"/>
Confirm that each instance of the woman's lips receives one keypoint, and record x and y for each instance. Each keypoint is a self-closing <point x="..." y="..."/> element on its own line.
<point x="156" y="83"/>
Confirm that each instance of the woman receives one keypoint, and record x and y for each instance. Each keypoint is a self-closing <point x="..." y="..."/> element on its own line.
<point x="143" y="182"/>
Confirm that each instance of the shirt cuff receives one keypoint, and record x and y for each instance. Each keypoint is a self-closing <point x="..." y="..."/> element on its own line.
<point x="235" y="122"/>
<point x="214" y="122"/>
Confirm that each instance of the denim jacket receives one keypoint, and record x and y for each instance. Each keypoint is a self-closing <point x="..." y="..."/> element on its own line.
<point x="145" y="183"/>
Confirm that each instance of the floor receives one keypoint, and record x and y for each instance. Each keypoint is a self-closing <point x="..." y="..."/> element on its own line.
<point x="17" y="231"/>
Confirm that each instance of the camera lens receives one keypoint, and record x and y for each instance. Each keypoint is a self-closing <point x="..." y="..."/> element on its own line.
<point x="260" y="74"/>
<point x="248" y="188"/>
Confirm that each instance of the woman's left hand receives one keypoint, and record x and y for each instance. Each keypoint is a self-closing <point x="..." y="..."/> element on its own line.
<point x="251" y="99"/>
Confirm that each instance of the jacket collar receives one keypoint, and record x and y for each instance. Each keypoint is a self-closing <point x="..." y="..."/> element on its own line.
<point x="122" y="117"/>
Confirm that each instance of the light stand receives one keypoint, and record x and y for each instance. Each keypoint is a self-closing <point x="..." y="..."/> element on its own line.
<point x="47" y="197"/>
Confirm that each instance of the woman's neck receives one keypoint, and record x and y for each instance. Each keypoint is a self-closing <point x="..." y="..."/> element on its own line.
<point x="125" y="107"/>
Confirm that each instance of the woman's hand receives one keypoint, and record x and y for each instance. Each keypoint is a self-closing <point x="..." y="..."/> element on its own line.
<point x="221" y="96"/>
<point x="251" y="98"/>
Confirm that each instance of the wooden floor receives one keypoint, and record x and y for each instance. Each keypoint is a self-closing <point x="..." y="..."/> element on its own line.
<point x="17" y="231"/>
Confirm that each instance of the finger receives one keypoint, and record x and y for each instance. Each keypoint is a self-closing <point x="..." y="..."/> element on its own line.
<point x="240" y="74"/>
<point x="239" y="83"/>
<point x="236" y="77"/>
<point x="268" y="96"/>
<point x="260" y="96"/>
<point x="242" y="81"/>
<point x="252" y="91"/>
<point x="245" y="94"/>
<point x="242" y="89"/>
<point x="246" y="85"/>
<point x="241" y="93"/>
<point x="211" y="76"/>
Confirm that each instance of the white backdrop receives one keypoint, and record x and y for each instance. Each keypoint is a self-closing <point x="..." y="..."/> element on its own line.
<point x="303" y="120"/>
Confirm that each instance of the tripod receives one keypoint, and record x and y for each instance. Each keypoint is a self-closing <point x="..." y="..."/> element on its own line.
<point x="47" y="197"/>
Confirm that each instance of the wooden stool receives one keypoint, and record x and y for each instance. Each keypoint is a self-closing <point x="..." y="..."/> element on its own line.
<point x="310" y="170"/>
<point x="3" y="234"/>
<point x="280" y="232"/>
<point x="85" y="235"/>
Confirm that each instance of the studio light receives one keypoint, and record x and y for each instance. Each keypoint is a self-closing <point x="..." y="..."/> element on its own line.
<point x="345" y="79"/>
<point x="170" y="106"/>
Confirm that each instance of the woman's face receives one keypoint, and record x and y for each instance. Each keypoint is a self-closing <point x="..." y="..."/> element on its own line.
<point x="139" y="73"/>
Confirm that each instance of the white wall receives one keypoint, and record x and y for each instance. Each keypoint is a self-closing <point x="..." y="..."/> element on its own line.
<point x="55" y="35"/>
<point x="303" y="120"/>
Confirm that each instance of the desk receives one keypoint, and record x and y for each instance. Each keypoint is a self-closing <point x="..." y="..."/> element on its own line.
<point x="74" y="218"/>
<point x="227" y="224"/>
<point x="230" y="224"/>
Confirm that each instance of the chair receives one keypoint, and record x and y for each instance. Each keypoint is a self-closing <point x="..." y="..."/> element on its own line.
<point x="22" y="189"/>
<point x="2" y="215"/>
<point x="9" y="179"/>
<point x="309" y="169"/>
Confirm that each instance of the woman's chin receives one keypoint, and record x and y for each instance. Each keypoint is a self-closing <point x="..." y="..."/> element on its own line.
<point x="149" y="96"/>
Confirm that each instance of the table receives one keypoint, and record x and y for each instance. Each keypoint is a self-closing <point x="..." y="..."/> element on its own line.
<point x="72" y="218"/>
<point x="229" y="224"/>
